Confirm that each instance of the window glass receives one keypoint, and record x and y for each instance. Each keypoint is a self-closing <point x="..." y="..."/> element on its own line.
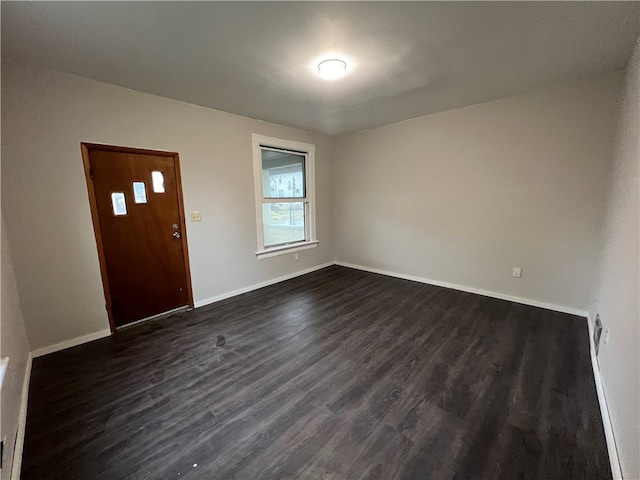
<point x="119" y="204"/>
<point x="158" y="182"/>
<point x="283" y="223"/>
<point x="139" y="192"/>
<point x="282" y="174"/>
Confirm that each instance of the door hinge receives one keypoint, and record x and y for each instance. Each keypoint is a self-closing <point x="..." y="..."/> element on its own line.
<point x="91" y="173"/>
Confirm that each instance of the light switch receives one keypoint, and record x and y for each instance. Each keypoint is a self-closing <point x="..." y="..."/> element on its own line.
<point x="196" y="217"/>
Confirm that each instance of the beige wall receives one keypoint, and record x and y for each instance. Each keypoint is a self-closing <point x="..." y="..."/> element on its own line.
<point x="616" y="295"/>
<point x="13" y="344"/>
<point x="466" y="195"/>
<point x="45" y="116"/>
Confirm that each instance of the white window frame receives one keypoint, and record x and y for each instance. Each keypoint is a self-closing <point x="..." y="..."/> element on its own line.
<point x="309" y="152"/>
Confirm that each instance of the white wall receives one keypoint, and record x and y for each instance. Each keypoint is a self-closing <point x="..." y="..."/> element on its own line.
<point x="45" y="116"/>
<point x="464" y="196"/>
<point x="13" y="344"/>
<point x="616" y="295"/>
<point x="460" y="197"/>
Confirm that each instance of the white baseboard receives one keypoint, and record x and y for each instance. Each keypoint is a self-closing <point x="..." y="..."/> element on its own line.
<point x="106" y="332"/>
<point x="602" y="400"/>
<point x="217" y="298"/>
<point x="17" y="458"/>
<point x="604" y="410"/>
<point x="16" y="466"/>
<point x="478" y="291"/>
<point x="71" y="343"/>
<point x="614" y="460"/>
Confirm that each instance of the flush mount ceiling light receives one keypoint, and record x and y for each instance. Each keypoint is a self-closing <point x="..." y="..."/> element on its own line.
<point x="332" y="69"/>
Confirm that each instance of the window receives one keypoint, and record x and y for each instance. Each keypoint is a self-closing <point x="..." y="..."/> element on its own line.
<point x="118" y="203"/>
<point x="284" y="187"/>
<point x="139" y="192"/>
<point x="157" y="178"/>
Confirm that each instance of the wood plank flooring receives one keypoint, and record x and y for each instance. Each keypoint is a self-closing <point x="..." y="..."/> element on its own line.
<point x="335" y="374"/>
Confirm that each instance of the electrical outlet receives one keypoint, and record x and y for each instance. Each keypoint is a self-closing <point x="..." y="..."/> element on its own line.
<point x="606" y="336"/>
<point x="296" y="257"/>
<point x="196" y="217"/>
<point x="517" y="272"/>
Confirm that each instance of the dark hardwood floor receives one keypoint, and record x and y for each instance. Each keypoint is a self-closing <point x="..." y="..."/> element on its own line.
<point x="335" y="374"/>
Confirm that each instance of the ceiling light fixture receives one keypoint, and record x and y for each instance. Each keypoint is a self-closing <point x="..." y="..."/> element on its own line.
<point x="332" y="69"/>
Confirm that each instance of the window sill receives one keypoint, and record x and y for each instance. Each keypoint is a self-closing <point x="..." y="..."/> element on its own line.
<point x="284" y="249"/>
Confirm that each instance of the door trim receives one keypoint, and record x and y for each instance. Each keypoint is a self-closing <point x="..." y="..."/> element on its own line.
<point x="86" y="149"/>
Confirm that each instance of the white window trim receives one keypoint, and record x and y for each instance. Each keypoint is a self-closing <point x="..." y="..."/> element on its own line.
<point x="310" y="190"/>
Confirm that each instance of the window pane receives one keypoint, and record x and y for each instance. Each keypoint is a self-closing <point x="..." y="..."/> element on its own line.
<point x="282" y="175"/>
<point x="139" y="192"/>
<point x="119" y="204"/>
<point x="283" y="223"/>
<point x="158" y="182"/>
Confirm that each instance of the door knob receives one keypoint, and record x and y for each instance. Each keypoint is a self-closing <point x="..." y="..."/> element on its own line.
<point x="176" y="235"/>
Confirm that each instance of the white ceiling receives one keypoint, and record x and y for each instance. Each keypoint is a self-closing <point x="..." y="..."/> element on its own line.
<point x="257" y="59"/>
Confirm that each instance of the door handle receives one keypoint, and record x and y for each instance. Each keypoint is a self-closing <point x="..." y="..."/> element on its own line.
<point x="176" y="235"/>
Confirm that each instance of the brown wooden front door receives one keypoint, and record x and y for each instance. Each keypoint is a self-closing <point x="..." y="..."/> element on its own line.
<point x="136" y="202"/>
